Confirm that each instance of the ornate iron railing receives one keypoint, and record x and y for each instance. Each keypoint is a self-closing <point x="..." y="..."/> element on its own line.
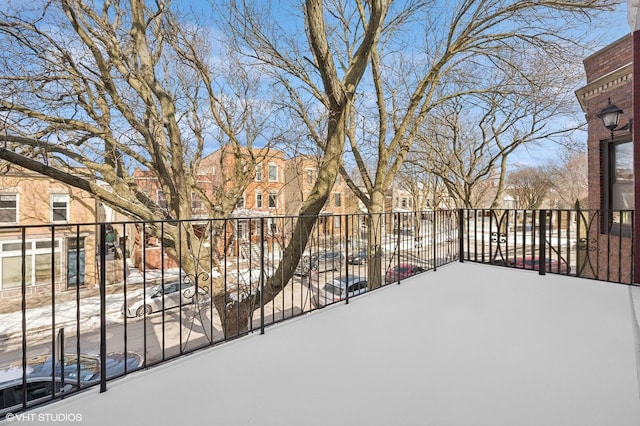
<point x="81" y="304"/>
<point x="584" y="243"/>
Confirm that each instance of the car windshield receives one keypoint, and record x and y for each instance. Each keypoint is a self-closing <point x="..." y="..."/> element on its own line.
<point x="333" y="289"/>
<point x="89" y="366"/>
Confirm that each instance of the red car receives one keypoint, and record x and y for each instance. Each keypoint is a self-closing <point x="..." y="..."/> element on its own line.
<point x="551" y="265"/>
<point x="402" y="271"/>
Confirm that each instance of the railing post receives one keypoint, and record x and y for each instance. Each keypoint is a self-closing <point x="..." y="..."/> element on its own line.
<point x="346" y="258"/>
<point x="434" y="240"/>
<point x="398" y="243"/>
<point x="103" y="309"/>
<point x="460" y="235"/>
<point x="542" y="232"/>
<point x="262" y="273"/>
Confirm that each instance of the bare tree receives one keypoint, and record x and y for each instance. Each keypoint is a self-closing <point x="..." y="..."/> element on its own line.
<point x="318" y="80"/>
<point x="103" y="88"/>
<point x="529" y="186"/>
<point x="569" y="179"/>
<point x="468" y="139"/>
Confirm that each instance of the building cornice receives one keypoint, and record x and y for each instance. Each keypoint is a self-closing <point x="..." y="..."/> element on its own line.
<point x="604" y="84"/>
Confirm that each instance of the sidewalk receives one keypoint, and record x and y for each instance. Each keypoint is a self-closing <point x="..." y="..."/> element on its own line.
<point x="39" y="319"/>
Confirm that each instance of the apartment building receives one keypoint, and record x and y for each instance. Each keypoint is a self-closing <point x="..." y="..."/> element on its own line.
<point x="301" y="175"/>
<point x="63" y="257"/>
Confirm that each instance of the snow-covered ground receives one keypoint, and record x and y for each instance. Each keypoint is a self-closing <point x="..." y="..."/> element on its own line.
<point x="469" y="344"/>
<point x="66" y="312"/>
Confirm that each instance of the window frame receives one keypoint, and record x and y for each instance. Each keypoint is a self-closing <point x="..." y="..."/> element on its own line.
<point x="272" y="196"/>
<point x="15" y="208"/>
<point x="161" y="199"/>
<point x="34" y="249"/>
<point x="241" y="203"/>
<point x="616" y="222"/>
<point x="274" y="167"/>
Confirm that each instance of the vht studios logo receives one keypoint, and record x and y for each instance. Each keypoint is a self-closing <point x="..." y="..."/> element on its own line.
<point x="44" y="417"/>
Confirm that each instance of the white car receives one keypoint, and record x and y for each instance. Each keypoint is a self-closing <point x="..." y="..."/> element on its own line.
<point x="172" y="294"/>
<point x="338" y="289"/>
<point x="323" y="262"/>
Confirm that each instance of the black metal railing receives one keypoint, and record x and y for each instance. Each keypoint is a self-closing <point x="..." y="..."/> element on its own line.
<point x="81" y="304"/>
<point x="584" y="243"/>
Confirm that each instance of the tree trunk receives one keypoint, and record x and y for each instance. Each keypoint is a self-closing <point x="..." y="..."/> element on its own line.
<point x="375" y="243"/>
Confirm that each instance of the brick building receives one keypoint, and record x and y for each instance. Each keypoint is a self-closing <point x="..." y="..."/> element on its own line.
<point x="301" y="174"/>
<point x="610" y="155"/>
<point x="64" y="256"/>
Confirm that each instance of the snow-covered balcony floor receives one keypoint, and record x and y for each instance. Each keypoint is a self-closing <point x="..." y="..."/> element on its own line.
<point x="469" y="344"/>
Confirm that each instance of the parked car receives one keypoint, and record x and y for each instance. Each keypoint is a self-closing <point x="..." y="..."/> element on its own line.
<point x="328" y="261"/>
<point x="337" y="289"/>
<point x="42" y="381"/>
<point x="533" y="263"/>
<point x="38" y="388"/>
<point x="89" y="366"/>
<point x="402" y="271"/>
<point x="358" y="258"/>
<point x="171" y="295"/>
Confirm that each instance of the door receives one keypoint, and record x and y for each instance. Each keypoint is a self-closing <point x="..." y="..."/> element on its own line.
<point x="75" y="262"/>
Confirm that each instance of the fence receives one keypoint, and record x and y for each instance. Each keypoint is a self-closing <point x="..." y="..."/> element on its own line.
<point x="596" y="244"/>
<point x="83" y="304"/>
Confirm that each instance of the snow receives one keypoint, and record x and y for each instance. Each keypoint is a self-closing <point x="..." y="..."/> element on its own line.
<point x="66" y="312"/>
<point x="468" y="344"/>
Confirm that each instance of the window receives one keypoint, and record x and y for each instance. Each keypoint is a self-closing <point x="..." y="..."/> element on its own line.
<point x="76" y="259"/>
<point x="37" y="262"/>
<point x="273" y="226"/>
<point x="273" y="172"/>
<point x="196" y="202"/>
<point x="59" y="207"/>
<point x="618" y="185"/>
<point x="336" y="199"/>
<point x="9" y="208"/>
<point x="241" y="230"/>
<point x="336" y="222"/>
<point x="273" y="200"/>
<point x="309" y="176"/>
<point x="241" y="202"/>
<point x="259" y="200"/>
<point x="161" y="201"/>
<point x="259" y="172"/>
<point x="404" y="203"/>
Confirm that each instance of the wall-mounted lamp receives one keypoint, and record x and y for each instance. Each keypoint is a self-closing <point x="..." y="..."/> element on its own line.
<point x="610" y="116"/>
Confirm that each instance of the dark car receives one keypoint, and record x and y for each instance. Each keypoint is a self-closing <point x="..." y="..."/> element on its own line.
<point x="12" y="395"/>
<point x="402" y="271"/>
<point x="533" y="263"/>
<point x="357" y="258"/>
<point x="42" y="382"/>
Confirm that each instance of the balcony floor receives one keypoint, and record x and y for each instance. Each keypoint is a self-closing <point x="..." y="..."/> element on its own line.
<point x="469" y="344"/>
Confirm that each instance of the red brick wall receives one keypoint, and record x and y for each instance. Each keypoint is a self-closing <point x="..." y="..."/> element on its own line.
<point x="608" y="73"/>
<point x="609" y="59"/>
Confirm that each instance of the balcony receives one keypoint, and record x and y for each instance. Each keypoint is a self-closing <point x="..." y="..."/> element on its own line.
<point x="471" y="342"/>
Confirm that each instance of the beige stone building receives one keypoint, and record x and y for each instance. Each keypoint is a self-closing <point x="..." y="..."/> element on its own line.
<point x="60" y="256"/>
